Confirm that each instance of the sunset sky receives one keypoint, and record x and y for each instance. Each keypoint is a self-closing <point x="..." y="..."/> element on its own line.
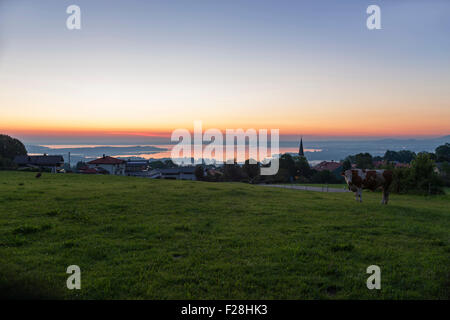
<point x="145" y="68"/>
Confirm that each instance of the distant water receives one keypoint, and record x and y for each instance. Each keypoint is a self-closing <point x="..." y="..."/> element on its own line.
<point x="315" y="151"/>
<point x="167" y="154"/>
<point x="88" y="151"/>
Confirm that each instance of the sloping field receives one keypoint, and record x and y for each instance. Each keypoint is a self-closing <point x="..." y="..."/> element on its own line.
<point x="159" y="239"/>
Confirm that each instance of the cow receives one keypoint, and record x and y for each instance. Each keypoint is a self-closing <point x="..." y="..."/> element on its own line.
<point x="359" y="179"/>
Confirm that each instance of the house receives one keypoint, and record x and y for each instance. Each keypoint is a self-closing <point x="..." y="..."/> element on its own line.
<point x="402" y="165"/>
<point x="379" y="164"/>
<point x="109" y="164"/>
<point x="137" y="167"/>
<point x="327" y="165"/>
<point x="213" y="172"/>
<point x="45" y="161"/>
<point x="180" y="173"/>
<point x="87" y="170"/>
<point x="154" y="174"/>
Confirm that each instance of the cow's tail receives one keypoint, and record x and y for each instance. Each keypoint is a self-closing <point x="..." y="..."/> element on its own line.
<point x="388" y="180"/>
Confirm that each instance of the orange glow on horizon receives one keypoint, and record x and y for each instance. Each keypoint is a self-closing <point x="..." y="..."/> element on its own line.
<point x="410" y="131"/>
<point x="333" y="124"/>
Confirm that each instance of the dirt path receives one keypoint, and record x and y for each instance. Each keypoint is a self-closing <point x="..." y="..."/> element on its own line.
<point x="307" y="188"/>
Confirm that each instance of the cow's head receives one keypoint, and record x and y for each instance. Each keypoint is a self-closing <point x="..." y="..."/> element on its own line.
<point x="348" y="174"/>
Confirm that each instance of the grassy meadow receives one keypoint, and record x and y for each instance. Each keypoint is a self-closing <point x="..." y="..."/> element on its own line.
<point x="136" y="238"/>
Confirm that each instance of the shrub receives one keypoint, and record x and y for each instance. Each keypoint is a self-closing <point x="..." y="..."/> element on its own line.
<point x="421" y="178"/>
<point x="325" y="176"/>
<point x="199" y="173"/>
<point x="10" y="147"/>
<point x="445" y="173"/>
<point x="443" y="153"/>
<point x="6" y="163"/>
<point x="233" y="172"/>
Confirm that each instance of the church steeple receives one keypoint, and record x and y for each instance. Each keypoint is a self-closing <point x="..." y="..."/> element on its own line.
<point x="300" y="149"/>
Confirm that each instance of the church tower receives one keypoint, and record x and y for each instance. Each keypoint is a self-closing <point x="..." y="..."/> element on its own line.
<point x="300" y="149"/>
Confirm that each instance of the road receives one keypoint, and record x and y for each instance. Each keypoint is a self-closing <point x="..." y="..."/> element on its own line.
<point x="307" y="188"/>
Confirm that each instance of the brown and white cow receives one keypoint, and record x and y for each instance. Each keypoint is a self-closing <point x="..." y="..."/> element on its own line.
<point x="359" y="179"/>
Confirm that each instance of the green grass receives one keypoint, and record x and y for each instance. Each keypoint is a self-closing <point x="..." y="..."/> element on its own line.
<point x="159" y="239"/>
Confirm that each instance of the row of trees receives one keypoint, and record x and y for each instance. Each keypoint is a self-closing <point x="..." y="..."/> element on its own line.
<point x="361" y="160"/>
<point x="427" y="172"/>
<point x="295" y="168"/>
<point x="366" y="160"/>
<point x="443" y="153"/>
<point x="291" y="168"/>
<point x="421" y="177"/>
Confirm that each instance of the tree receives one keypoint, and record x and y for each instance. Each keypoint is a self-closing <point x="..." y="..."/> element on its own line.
<point x="232" y="172"/>
<point x="421" y="178"/>
<point x="6" y="163"/>
<point x="378" y="158"/>
<point x="287" y="162"/>
<point x="422" y="167"/>
<point x="199" y="172"/>
<point x="424" y="175"/>
<point x="390" y="156"/>
<point x="157" y="164"/>
<point x="443" y="153"/>
<point x="431" y="155"/>
<point x="347" y="164"/>
<point x="403" y="156"/>
<point x="80" y="164"/>
<point x="364" y="161"/>
<point x="406" y="156"/>
<point x="325" y="176"/>
<point x="10" y="147"/>
<point x="170" y="164"/>
<point x="445" y="173"/>
<point x="302" y="167"/>
<point x="251" y="170"/>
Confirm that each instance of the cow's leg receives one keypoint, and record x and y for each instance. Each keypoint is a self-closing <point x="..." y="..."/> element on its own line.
<point x="356" y="195"/>
<point x="385" y="196"/>
<point x="360" y="194"/>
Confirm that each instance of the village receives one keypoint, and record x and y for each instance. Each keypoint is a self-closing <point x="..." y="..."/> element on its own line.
<point x="293" y="168"/>
<point x="146" y="168"/>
